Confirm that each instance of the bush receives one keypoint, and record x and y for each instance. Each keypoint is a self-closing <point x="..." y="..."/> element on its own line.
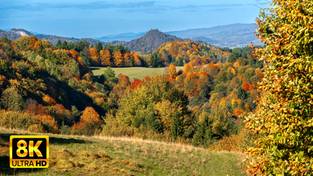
<point x="27" y="121"/>
<point x="90" y="122"/>
<point x="11" y="99"/>
<point x="236" y="142"/>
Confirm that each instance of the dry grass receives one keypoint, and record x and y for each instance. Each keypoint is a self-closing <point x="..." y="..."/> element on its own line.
<point x="135" y="72"/>
<point x="102" y="155"/>
<point x="135" y="140"/>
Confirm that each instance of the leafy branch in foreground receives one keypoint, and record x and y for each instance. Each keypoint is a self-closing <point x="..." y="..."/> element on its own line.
<point x="283" y="119"/>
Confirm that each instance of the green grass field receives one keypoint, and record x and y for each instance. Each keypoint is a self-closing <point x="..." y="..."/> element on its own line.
<point x="76" y="155"/>
<point x="134" y="72"/>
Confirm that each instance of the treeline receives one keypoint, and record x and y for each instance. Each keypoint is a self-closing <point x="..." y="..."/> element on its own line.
<point x="102" y="55"/>
<point x="176" y="52"/>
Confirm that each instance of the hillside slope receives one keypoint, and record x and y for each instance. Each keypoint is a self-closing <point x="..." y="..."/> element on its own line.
<point x="74" y="155"/>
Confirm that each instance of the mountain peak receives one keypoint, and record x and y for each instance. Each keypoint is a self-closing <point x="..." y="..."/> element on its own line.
<point x="154" y="31"/>
<point x="21" y="32"/>
<point x="150" y="41"/>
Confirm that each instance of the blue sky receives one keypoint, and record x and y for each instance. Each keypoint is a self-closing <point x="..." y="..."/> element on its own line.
<point x="94" y="18"/>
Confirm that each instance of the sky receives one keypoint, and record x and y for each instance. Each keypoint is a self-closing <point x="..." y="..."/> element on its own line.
<point x="96" y="18"/>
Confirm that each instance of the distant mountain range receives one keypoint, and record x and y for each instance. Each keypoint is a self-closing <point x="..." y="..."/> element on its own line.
<point x="14" y="34"/>
<point x="234" y="35"/>
<point x="121" y="37"/>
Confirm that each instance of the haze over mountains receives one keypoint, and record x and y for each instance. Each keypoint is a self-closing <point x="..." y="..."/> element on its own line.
<point x="233" y="35"/>
<point x="14" y="34"/>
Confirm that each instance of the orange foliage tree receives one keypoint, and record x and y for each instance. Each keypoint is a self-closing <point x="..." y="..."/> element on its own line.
<point x="105" y="57"/>
<point x="118" y="58"/>
<point x="89" y="122"/>
<point x="187" y="68"/>
<point x="93" y="55"/>
<point x="137" y="59"/>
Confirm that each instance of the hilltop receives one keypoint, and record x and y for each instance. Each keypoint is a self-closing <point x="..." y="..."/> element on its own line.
<point x="150" y="41"/>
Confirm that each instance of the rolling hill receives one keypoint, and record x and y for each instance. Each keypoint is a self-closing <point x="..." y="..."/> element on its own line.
<point x="77" y="155"/>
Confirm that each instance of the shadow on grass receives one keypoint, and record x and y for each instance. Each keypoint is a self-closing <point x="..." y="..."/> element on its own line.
<point x="5" y="137"/>
<point x="6" y="170"/>
<point x="5" y="160"/>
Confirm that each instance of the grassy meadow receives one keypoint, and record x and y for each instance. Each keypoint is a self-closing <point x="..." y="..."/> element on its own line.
<point x="78" y="155"/>
<point x="134" y="72"/>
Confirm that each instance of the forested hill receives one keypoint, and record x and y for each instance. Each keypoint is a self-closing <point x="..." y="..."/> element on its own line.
<point x="150" y="41"/>
<point x="51" y="89"/>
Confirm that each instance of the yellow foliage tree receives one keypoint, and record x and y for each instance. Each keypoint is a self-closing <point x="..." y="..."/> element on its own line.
<point x="171" y="71"/>
<point x="283" y="118"/>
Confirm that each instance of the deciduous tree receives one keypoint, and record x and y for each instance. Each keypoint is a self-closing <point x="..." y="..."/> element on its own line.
<point x="283" y="118"/>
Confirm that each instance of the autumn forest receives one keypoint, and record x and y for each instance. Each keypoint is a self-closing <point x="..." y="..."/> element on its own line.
<point x="255" y="100"/>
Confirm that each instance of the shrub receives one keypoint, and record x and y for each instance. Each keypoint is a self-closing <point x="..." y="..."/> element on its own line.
<point x="48" y="122"/>
<point x="11" y="99"/>
<point x="17" y="120"/>
<point x="90" y="122"/>
<point x="27" y="121"/>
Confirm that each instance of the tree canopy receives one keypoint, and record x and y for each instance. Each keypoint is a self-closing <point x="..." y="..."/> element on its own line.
<point x="283" y="119"/>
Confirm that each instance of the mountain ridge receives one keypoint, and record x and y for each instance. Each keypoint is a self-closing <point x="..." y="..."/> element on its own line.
<point x="231" y="36"/>
<point x="15" y="33"/>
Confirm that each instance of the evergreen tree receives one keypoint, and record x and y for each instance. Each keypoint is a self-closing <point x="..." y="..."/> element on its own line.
<point x="99" y="46"/>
